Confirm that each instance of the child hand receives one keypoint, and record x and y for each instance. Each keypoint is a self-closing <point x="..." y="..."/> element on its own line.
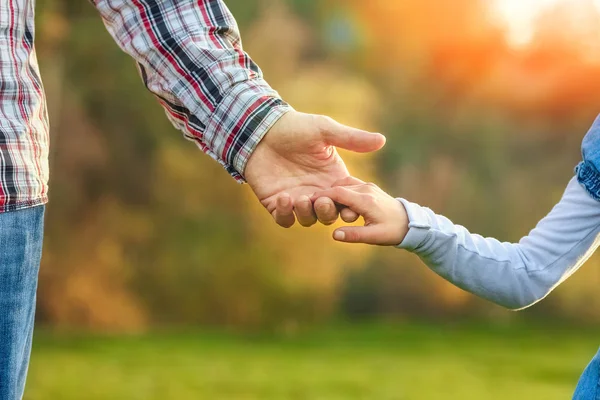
<point x="386" y="221"/>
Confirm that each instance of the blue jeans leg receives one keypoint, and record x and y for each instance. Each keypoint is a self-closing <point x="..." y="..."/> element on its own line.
<point x="21" y="236"/>
<point x="588" y="387"/>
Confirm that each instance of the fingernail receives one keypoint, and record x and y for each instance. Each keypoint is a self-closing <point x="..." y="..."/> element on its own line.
<point x="339" y="235"/>
<point x="285" y="201"/>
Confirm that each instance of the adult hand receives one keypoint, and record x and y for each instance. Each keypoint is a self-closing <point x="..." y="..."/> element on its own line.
<point x="298" y="157"/>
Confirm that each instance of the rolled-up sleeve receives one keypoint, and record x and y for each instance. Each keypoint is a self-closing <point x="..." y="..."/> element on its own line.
<point x="587" y="171"/>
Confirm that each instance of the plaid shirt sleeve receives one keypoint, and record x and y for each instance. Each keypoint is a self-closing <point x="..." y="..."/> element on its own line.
<point x="189" y="54"/>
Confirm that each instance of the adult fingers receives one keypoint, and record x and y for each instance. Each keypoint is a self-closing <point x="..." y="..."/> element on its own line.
<point x="284" y="211"/>
<point x="305" y="213"/>
<point x="326" y="210"/>
<point x="348" y="215"/>
<point x="349" y="138"/>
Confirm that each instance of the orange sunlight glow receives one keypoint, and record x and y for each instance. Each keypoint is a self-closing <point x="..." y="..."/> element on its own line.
<point x="519" y="16"/>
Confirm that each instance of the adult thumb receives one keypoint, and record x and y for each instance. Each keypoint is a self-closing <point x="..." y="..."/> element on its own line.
<point x="353" y="139"/>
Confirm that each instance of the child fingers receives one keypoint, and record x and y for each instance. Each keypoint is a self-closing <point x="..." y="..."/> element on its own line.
<point x="348" y="181"/>
<point x="341" y="195"/>
<point x="359" y="234"/>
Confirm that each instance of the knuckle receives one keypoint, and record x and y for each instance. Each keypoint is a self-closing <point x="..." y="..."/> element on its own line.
<point x="339" y="191"/>
<point x="323" y="122"/>
<point x="370" y="199"/>
<point x="324" y="119"/>
<point x="371" y="187"/>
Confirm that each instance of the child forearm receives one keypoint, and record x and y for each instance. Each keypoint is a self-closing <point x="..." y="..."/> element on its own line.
<point x="514" y="275"/>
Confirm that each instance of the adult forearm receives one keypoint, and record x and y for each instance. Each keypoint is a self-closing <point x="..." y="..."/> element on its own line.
<point x="190" y="57"/>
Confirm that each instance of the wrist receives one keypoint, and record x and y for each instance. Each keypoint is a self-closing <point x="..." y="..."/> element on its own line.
<point x="258" y="137"/>
<point x="400" y="226"/>
<point x="417" y="225"/>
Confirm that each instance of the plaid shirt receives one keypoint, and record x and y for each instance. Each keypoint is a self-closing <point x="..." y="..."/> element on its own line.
<point x="189" y="55"/>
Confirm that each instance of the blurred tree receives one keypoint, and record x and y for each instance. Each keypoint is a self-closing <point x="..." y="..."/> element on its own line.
<point x="144" y="229"/>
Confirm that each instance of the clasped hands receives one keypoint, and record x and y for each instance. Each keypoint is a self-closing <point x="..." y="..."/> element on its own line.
<point x="296" y="172"/>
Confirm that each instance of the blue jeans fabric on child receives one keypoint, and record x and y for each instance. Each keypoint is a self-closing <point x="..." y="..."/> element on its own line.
<point x="589" y="176"/>
<point x="588" y="387"/>
<point x="587" y="170"/>
<point x="21" y="235"/>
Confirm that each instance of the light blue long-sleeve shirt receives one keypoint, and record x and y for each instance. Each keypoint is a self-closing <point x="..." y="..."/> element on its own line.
<point x="514" y="275"/>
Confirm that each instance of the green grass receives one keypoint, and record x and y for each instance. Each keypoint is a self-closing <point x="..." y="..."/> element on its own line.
<point x="343" y="362"/>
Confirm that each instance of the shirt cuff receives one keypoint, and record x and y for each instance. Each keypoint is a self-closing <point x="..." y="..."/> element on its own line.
<point x="241" y="120"/>
<point x="256" y="132"/>
<point x="419" y="226"/>
<point x="589" y="177"/>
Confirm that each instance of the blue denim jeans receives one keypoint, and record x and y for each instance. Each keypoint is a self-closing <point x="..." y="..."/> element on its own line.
<point x="588" y="387"/>
<point x="21" y="235"/>
<point x="587" y="170"/>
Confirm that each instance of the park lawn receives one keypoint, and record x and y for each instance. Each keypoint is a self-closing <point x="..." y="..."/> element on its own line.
<point x="343" y="362"/>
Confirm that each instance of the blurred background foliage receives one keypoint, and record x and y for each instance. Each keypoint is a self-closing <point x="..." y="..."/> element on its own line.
<point x="145" y="231"/>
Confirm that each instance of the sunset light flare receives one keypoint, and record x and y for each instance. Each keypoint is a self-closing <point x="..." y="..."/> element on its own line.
<point x="519" y="16"/>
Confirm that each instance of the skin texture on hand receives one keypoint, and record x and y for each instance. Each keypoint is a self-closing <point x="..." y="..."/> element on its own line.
<point x="298" y="157"/>
<point x="386" y="221"/>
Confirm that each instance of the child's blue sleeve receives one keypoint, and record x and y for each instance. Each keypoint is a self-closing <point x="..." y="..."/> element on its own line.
<point x="514" y="275"/>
